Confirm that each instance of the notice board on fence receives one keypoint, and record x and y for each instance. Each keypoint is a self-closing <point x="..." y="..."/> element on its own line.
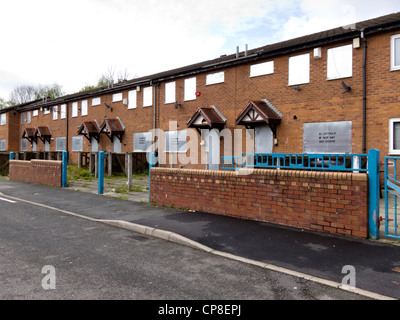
<point x="327" y="137"/>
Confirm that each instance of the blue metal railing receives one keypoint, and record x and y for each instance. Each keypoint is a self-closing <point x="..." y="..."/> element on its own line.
<point x="392" y="187"/>
<point x="299" y="161"/>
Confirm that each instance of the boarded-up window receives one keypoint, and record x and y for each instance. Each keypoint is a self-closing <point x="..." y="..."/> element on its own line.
<point x="190" y="89"/>
<point x="24" y="145"/>
<point x="96" y="102"/>
<point x="170" y="92"/>
<point x="77" y="144"/>
<point x="147" y="97"/>
<point x="327" y="137"/>
<point x="74" y="109"/>
<point x="3" y="119"/>
<point x="214" y="78"/>
<point x="84" y="108"/>
<point x="142" y="142"/>
<point x="60" y="144"/>
<point x="299" y="69"/>
<point x="340" y="62"/>
<point x="132" y="99"/>
<point x="3" y="145"/>
<point x="261" y="69"/>
<point x="63" y="113"/>
<point x="117" y="97"/>
<point x="175" y="141"/>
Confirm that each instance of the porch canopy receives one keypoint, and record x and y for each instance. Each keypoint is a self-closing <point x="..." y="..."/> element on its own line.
<point x="207" y="118"/>
<point x="90" y="129"/>
<point x="29" y="134"/>
<point x="43" y="133"/>
<point x="260" y="112"/>
<point x="113" y="128"/>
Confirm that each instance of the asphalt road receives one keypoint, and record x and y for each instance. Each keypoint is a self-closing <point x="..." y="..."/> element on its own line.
<point x="91" y="260"/>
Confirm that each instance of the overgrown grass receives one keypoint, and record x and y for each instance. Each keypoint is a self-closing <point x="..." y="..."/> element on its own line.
<point x="75" y="173"/>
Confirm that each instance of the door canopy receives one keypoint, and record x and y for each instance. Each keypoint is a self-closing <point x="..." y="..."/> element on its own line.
<point x="29" y="134"/>
<point x="90" y="129"/>
<point x="260" y="112"/>
<point x="43" y="133"/>
<point x="113" y="128"/>
<point x="207" y="118"/>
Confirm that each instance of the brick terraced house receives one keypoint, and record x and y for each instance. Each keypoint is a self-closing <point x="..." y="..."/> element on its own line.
<point x="335" y="91"/>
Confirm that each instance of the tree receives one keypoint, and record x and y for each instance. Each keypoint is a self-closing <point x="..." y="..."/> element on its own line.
<point x="22" y="94"/>
<point x="107" y="79"/>
<point x="49" y="91"/>
<point x="27" y="93"/>
<point x="4" y="103"/>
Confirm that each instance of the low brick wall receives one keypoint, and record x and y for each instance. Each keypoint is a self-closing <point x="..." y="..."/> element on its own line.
<point x="321" y="201"/>
<point x="37" y="171"/>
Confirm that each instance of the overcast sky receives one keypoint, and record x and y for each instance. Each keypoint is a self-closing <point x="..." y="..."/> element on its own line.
<point x="73" y="42"/>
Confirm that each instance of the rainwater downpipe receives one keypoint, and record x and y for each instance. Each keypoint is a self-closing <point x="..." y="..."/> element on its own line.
<point x="364" y="143"/>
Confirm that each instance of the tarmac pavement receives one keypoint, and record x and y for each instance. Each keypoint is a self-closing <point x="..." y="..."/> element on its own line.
<point x="319" y="257"/>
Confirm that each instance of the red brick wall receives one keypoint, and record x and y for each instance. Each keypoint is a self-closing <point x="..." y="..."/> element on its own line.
<point x="37" y="171"/>
<point x="319" y="201"/>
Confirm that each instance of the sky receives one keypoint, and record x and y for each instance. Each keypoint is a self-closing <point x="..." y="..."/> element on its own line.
<point x="73" y="42"/>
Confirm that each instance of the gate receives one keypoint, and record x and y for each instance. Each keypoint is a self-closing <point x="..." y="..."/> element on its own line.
<point x="392" y="194"/>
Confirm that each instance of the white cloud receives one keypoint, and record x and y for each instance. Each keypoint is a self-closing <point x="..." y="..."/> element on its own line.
<point x="73" y="42"/>
<point x="319" y="15"/>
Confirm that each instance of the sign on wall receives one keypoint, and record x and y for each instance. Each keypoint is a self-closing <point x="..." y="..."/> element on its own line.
<point x="327" y="137"/>
<point x="142" y="142"/>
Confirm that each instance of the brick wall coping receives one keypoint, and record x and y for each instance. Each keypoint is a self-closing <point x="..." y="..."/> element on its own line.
<point x="270" y="173"/>
<point x="38" y="161"/>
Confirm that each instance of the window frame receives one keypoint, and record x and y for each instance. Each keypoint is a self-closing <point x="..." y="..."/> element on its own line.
<point x="293" y="59"/>
<point x="169" y="86"/>
<point x="329" y="54"/>
<point x="84" y="108"/>
<point x="57" y="143"/>
<point x="393" y="38"/>
<point x="132" y="99"/>
<point x="178" y="134"/>
<point x="262" y="69"/>
<point x="96" y="101"/>
<point x="116" y="97"/>
<point x="74" y="112"/>
<point x="3" y="119"/>
<point x="75" y="138"/>
<point x="215" y="78"/>
<point x="147" y="97"/>
<point x="391" y="136"/>
<point x="188" y="86"/>
<point x="3" y="142"/>
<point x="55" y="113"/>
<point x="63" y="111"/>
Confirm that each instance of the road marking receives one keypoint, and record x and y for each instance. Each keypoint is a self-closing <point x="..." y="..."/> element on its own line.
<point x="11" y="201"/>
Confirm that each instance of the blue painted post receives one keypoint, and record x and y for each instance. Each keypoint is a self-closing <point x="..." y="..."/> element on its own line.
<point x="152" y="163"/>
<point x="101" y="173"/>
<point x="11" y="155"/>
<point x="64" y="168"/>
<point x="373" y="197"/>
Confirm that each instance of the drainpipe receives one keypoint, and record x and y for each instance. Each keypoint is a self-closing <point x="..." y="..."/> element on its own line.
<point x="364" y="143"/>
<point x="67" y="118"/>
<point x="155" y="85"/>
